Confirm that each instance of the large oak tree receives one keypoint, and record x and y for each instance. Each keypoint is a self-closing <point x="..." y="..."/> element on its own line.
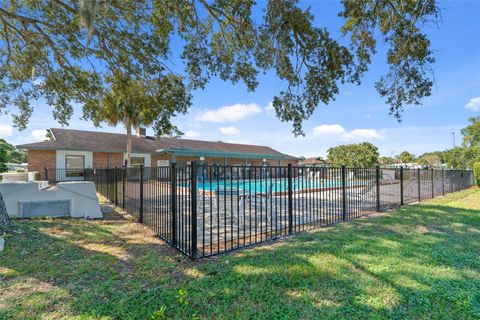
<point x="64" y="51"/>
<point x="359" y="155"/>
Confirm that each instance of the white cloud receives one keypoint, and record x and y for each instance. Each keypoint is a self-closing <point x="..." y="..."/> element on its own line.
<point x="5" y="130"/>
<point x="270" y="109"/>
<point x="191" y="134"/>
<point x="231" y="113"/>
<point x="327" y="129"/>
<point x="229" y="131"/>
<point x="339" y="131"/>
<point x="368" y="116"/>
<point x="38" y="135"/>
<point x="362" y="134"/>
<point x="473" y="104"/>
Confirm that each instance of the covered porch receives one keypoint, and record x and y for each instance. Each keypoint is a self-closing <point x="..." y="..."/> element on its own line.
<point x="229" y="165"/>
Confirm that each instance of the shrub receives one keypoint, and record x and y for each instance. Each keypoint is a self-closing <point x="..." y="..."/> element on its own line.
<point x="476" y="172"/>
<point x="38" y="176"/>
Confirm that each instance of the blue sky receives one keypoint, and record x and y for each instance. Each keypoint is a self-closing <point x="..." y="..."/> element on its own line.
<point x="226" y="112"/>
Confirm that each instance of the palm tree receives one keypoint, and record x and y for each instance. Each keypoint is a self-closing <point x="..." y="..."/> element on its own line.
<point x="124" y="104"/>
<point x="406" y="157"/>
<point x="140" y="102"/>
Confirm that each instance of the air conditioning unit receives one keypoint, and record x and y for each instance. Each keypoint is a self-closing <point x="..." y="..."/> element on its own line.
<point x="40" y="208"/>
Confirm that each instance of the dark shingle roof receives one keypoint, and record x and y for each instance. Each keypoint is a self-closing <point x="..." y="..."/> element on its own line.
<point x="313" y="160"/>
<point x="67" y="139"/>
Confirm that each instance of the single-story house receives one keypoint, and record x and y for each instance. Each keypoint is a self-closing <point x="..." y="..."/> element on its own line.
<point x="313" y="162"/>
<point x="77" y="149"/>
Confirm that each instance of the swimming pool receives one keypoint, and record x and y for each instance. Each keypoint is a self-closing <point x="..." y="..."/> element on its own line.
<point x="274" y="185"/>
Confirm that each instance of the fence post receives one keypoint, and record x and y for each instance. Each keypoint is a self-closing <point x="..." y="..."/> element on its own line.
<point x="377" y="173"/>
<point x="443" y="181"/>
<point x="433" y="184"/>
<point x="418" y="185"/>
<point x="401" y="187"/>
<point x="140" y="218"/>
<point x="101" y="185"/>
<point x="344" y="193"/>
<point x="173" y="200"/>
<point x="84" y="174"/>
<point x="451" y="183"/>
<point x="107" y="183"/>
<point x="115" y="189"/>
<point x="193" y="184"/>
<point x="46" y="173"/>
<point x="124" y="173"/>
<point x="290" y="199"/>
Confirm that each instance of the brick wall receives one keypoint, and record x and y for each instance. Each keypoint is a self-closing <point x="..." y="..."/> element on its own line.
<point x="156" y="157"/>
<point x="38" y="159"/>
<point x="107" y="160"/>
<point x="116" y="160"/>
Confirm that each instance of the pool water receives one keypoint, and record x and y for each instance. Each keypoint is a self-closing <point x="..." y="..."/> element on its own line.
<point x="275" y="185"/>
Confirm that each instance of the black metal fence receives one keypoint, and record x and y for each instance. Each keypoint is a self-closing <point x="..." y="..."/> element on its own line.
<point x="204" y="210"/>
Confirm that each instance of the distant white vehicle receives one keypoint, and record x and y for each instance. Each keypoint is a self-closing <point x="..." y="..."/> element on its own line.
<point x="17" y="166"/>
<point x="410" y="165"/>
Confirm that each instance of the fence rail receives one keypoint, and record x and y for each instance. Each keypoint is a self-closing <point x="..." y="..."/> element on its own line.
<point x="204" y="210"/>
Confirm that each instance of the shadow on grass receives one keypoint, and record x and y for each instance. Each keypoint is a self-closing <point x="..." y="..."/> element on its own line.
<point x="419" y="262"/>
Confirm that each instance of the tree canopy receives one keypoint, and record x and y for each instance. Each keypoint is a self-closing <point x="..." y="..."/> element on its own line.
<point x="464" y="156"/>
<point x="471" y="133"/>
<point x="12" y="153"/>
<point x="4" y="158"/>
<point x="360" y="155"/>
<point x="139" y="103"/>
<point x="406" y="157"/>
<point x="46" y="51"/>
<point x="433" y="159"/>
<point x="386" y="160"/>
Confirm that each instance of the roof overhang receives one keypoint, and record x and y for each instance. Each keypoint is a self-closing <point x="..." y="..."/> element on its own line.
<point x="219" y="154"/>
<point x="77" y="149"/>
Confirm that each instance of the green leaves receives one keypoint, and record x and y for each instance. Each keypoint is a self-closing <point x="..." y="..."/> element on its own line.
<point x="471" y="133"/>
<point x="9" y="153"/>
<point x="464" y="157"/>
<point x="476" y="172"/>
<point x="140" y="103"/>
<point x="360" y="155"/>
<point x="4" y="158"/>
<point x="406" y="157"/>
<point x="74" y="50"/>
<point x="409" y="78"/>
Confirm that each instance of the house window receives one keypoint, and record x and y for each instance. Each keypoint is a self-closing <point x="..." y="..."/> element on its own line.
<point x="137" y="161"/>
<point x="74" y="165"/>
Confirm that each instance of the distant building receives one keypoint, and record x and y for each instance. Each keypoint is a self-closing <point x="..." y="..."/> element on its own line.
<point x="410" y="165"/>
<point x="313" y="162"/>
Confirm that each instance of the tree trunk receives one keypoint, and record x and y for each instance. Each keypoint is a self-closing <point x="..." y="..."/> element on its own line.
<point x="129" y="141"/>
<point x="4" y="219"/>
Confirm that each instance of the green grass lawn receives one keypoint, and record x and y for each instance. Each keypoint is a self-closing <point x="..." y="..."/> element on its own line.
<point x="421" y="262"/>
